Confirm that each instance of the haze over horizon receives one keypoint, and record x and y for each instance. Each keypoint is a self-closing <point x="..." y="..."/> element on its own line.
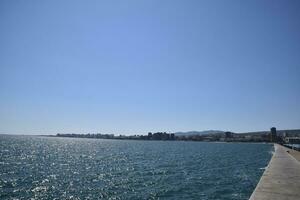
<point x="138" y="66"/>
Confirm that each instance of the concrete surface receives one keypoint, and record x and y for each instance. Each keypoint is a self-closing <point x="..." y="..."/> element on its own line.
<point x="294" y="153"/>
<point x="281" y="179"/>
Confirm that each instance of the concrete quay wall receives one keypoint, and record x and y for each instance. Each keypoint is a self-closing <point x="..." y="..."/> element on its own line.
<point x="281" y="179"/>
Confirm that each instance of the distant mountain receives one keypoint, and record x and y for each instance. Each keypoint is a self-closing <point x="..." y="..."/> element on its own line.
<point x="208" y="132"/>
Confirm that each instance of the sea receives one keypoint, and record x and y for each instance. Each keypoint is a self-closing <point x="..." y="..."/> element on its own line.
<point x="38" y="167"/>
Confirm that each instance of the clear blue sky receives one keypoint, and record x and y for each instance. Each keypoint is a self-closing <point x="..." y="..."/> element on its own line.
<point x="127" y="67"/>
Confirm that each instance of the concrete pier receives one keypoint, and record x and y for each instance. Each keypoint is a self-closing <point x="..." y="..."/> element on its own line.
<point x="281" y="179"/>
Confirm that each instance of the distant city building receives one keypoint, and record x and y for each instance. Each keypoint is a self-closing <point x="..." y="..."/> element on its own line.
<point x="228" y="134"/>
<point x="273" y="135"/>
<point x="172" y="136"/>
<point x="292" y="140"/>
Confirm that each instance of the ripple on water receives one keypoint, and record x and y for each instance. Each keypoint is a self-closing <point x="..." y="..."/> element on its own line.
<point x="66" y="168"/>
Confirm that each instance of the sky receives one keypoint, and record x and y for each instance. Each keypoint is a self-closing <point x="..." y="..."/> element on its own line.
<point x="129" y="67"/>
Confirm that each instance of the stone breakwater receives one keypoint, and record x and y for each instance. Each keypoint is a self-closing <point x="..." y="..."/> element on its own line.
<point x="281" y="179"/>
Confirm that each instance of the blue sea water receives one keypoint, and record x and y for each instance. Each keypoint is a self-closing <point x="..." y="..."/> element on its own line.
<point x="70" y="168"/>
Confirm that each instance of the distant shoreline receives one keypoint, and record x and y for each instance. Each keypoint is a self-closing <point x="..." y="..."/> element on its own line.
<point x="138" y="139"/>
<point x="215" y="142"/>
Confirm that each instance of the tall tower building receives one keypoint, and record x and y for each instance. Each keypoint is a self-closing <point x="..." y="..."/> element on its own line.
<point x="273" y="135"/>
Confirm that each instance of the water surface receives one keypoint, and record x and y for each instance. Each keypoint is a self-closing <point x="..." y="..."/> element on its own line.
<point x="70" y="168"/>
